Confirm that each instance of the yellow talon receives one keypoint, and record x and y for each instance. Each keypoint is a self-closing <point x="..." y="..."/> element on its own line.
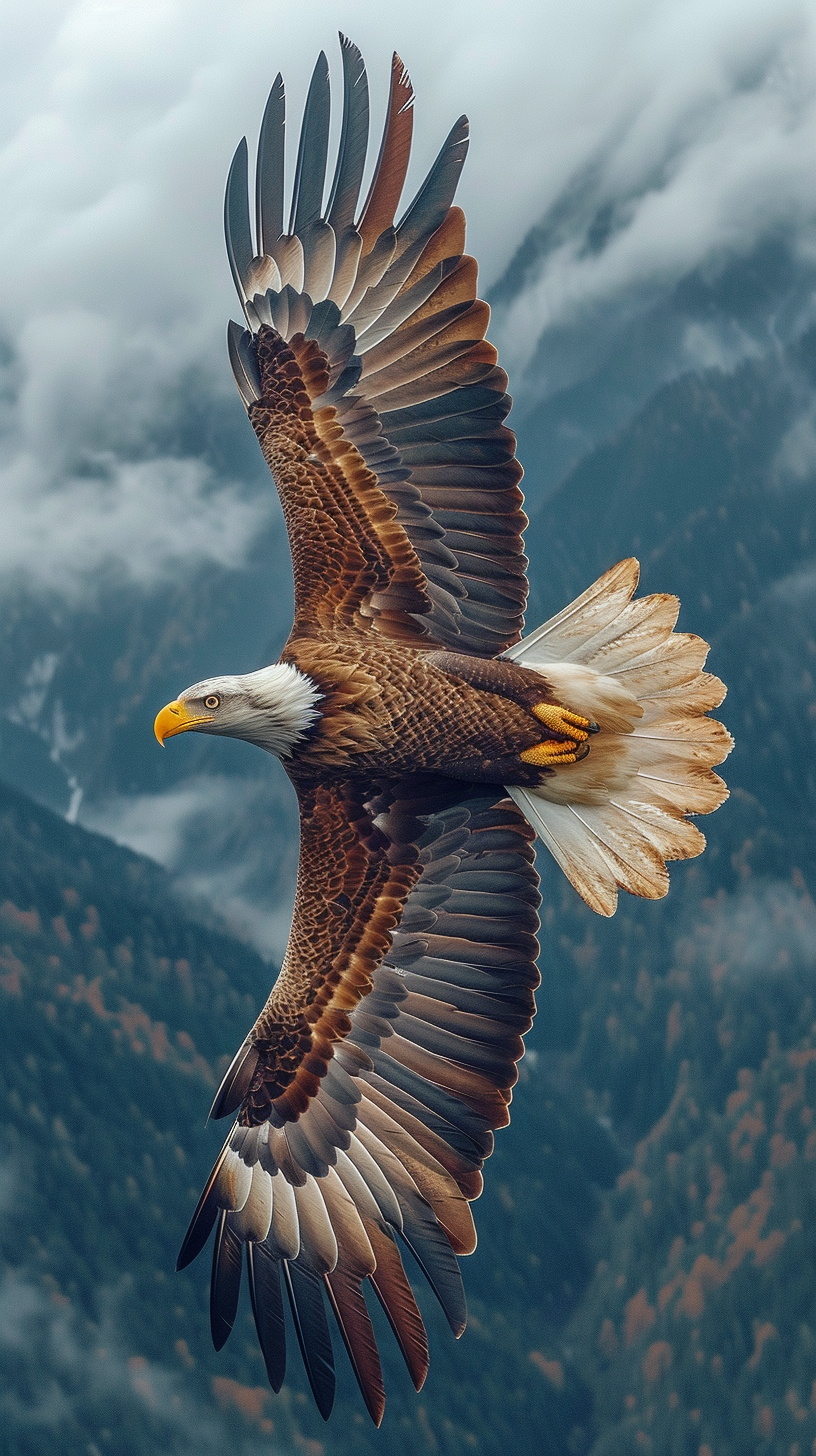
<point x="551" y="754"/>
<point x="561" y="720"/>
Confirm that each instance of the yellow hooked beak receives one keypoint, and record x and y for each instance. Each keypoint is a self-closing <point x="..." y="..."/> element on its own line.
<point x="175" y="719"/>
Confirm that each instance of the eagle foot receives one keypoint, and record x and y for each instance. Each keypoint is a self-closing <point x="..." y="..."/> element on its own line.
<point x="561" y="720"/>
<point x="551" y="754"/>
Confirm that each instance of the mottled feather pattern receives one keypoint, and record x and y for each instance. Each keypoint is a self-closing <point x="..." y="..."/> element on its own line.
<point x="341" y="526"/>
<point x="348" y="901"/>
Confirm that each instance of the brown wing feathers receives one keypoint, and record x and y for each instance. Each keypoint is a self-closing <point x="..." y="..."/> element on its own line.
<point x="390" y="1140"/>
<point x="352" y="884"/>
<point x="392" y="163"/>
<point x="419" y="401"/>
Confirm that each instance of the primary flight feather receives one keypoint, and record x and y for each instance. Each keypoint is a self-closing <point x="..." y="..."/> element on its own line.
<point x="427" y="743"/>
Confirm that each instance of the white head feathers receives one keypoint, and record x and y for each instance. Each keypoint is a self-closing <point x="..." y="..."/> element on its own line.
<point x="273" y="707"/>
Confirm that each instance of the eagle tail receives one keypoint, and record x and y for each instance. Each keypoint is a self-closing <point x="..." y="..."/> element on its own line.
<point x="614" y="818"/>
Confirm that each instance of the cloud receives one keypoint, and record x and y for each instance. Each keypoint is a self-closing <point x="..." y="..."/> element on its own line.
<point x="795" y="459"/>
<point x="231" y="845"/>
<point x="145" y="515"/>
<point x="705" y="148"/>
<point x="681" y="127"/>
<point x="84" y="481"/>
<point x="768" y="928"/>
<point x="67" y="1377"/>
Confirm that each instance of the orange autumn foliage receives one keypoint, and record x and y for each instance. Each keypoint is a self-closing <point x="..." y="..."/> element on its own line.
<point x="656" y="1361"/>
<point x="765" y="1421"/>
<point x="705" y="1273"/>
<point x="717" y="1183"/>
<point x="783" y="1151"/>
<point x="667" y="1293"/>
<point x="11" y="979"/>
<point x="638" y="1317"/>
<point x="763" y="1332"/>
<point x="553" y="1369"/>
<point x="250" y="1400"/>
<point x="27" y="920"/>
<point x="744" y="1134"/>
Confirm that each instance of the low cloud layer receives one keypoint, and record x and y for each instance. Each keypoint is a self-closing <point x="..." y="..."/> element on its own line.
<point x="657" y="133"/>
<point x="69" y="1377"/>
<point x="231" y="844"/>
<point x="705" y="149"/>
<point x="768" y="929"/>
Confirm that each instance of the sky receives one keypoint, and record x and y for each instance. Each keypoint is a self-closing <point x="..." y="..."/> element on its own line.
<point x="692" y="123"/>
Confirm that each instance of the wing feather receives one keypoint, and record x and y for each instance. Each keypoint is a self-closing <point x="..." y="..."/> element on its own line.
<point x="269" y="171"/>
<point x="351" y="152"/>
<point x="305" y="1290"/>
<point x="394" y="1292"/>
<point x="345" y="1289"/>
<point x="225" y="1285"/>
<point x="237" y="228"/>
<point x="310" y="170"/>
<point x="392" y="163"/>
<point x="263" y="1273"/>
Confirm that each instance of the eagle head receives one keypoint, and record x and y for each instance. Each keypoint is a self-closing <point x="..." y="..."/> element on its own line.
<point x="273" y="708"/>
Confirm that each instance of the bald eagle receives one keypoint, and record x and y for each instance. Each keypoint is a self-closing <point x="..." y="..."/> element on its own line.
<point x="427" y="741"/>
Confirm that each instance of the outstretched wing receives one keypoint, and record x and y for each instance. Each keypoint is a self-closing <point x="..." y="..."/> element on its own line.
<point x="369" y="1088"/>
<point x="367" y="376"/>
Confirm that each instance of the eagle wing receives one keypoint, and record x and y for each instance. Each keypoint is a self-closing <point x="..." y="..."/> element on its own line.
<point x="366" y="349"/>
<point x="369" y="1088"/>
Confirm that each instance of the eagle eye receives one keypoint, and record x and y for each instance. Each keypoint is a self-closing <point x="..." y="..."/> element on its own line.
<point x="212" y="701"/>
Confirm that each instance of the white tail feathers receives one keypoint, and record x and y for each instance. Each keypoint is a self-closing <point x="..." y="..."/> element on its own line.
<point x="618" y="815"/>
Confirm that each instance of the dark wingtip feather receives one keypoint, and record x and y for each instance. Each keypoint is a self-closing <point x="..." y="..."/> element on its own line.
<point x="269" y="168"/>
<point x="244" y="361"/>
<point x="263" y="1271"/>
<point x="236" y="1081"/>
<point x="312" y="1329"/>
<point x="201" y="1223"/>
<point x="439" y="1264"/>
<point x="310" y="171"/>
<point x="196" y="1237"/>
<point x="428" y="209"/>
<point x="237" y="229"/>
<point x="351" y="152"/>
<point x="225" y="1285"/>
